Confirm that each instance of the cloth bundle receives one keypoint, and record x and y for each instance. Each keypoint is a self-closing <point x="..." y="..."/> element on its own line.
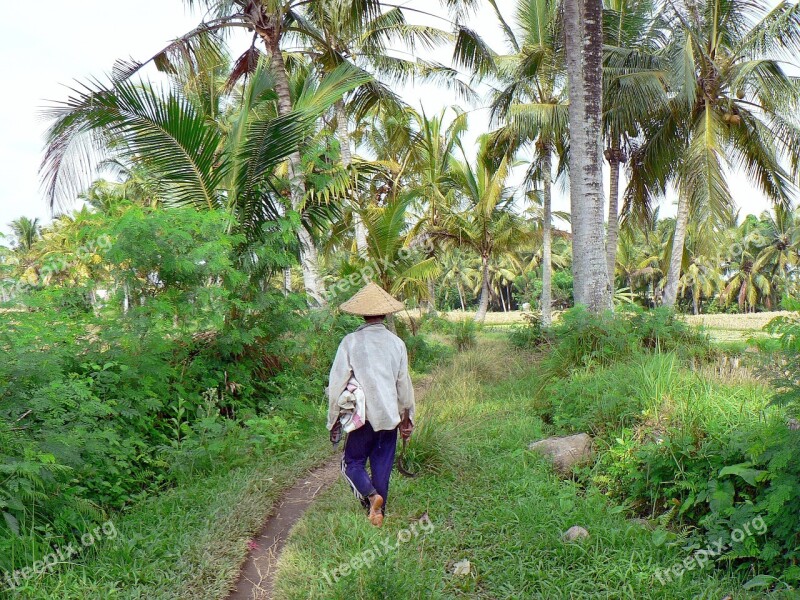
<point x="352" y="406"/>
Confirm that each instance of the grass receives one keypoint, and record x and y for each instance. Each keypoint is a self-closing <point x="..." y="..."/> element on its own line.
<point x="187" y="543"/>
<point x="489" y="501"/>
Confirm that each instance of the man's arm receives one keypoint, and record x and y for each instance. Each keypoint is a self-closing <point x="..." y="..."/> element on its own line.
<point x="405" y="397"/>
<point x="337" y="380"/>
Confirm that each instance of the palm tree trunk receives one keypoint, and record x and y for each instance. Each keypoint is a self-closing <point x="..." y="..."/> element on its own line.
<point x="347" y="160"/>
<point x="696" y="303"/>
<point x="308" y="248"/>
<point x="584" y="44"/>
<point x="676" y="257"/>
<point x="547" y="244"/>
<point x="390" y="323"/>
<point x="483" y="305"/>
<point x="461" y="296"/>
<point x="432" y="296"/>
<point x="614" y="155"/>
<point x="287" y="280"/>
<point x="502" y="299"/>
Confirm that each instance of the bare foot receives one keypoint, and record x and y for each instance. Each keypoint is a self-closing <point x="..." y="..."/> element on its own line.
<point x="375" y="513"/>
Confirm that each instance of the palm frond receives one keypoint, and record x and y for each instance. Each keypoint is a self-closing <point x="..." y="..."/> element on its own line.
<point x="161" y="130"/>
<point x="776" y="34"/>
<point x="472" y="52"/>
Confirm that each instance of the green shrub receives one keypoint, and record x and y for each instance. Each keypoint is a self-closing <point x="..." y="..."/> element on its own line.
<point x="434" y="323"/>
<point x="586" y="340"/>
<point x="529" y="335"/>
<point x="102" y="406"/>
<point x="425" y="354"/>
<point x="701" y="456"/>
<point x="715" y="484"/>
<point x="465" y="334"/>
<point x="272" y="432"/>
<point x="784" y="354"/>
<point x="528" y="288"/>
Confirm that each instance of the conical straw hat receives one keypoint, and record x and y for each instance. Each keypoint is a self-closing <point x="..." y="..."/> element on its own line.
<point x="371" y="301"/>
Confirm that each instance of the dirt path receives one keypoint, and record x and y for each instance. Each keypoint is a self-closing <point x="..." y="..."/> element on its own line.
<point x="258" y="573"/>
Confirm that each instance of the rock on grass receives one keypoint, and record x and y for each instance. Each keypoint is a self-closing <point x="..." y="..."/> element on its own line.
<point x="565" y="452"/>
<point x="576" y="532"/>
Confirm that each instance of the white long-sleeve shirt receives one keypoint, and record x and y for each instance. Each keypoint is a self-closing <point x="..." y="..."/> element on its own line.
<point x="378" y="360"/>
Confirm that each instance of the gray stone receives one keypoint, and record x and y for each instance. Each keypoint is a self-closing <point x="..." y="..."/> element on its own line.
<point x="565" y="452"/>
<point x="576" y="532"/>
<point x="462" y="567"/>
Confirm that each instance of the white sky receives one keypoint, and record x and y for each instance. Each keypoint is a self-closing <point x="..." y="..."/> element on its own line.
<point x="45" y="51"/>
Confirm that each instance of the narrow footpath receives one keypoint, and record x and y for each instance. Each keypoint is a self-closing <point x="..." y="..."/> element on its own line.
<point x="258" y="572"/>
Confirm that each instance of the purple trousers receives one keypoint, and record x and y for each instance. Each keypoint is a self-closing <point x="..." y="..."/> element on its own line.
<point x="379" y="447"/>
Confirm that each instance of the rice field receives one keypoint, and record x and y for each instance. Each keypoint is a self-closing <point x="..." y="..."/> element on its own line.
<point x="735" y="328"/>
<point x="721" y="327"/>
<point x="511" y="317"/>
<point x="741" y="322"/>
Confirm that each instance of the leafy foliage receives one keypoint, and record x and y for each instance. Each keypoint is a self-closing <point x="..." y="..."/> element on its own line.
<point x="585" y="340"/>
<point x="785" y="351"/>
<point x="186" y="365"/>
<point x="530" y="334"/>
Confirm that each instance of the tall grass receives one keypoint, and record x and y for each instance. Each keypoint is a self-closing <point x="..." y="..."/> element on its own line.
<point x="685" y="446"/>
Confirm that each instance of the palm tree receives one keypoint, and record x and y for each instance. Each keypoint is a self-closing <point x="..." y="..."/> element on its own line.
<point x="583" y="33"/>
<point x="746" y="282"/>
<point x="399" y="268"/>
<point x="337" y="32"/>
<point x="430" y="155"/>
<point x="779" y="233"/>
<point x="456" y="270"/>
<point x="270" y="20"/>
<point x="133" y="184"/>
<point x="200" y="155"/>
<point x="700" y="279"/>
<point x="633" y="87"/>
<point x="503" y="272"/>
<point x="26" y="231"/>
<point x="330" y="36"/>
<point x="730" y="101"/>
<point x="532" y="103"/>
<point x="71" y="249"/>
<point x="485" y="221"/>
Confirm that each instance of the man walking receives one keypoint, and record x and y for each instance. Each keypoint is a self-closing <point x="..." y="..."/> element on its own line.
<point x="371" y="361"/>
